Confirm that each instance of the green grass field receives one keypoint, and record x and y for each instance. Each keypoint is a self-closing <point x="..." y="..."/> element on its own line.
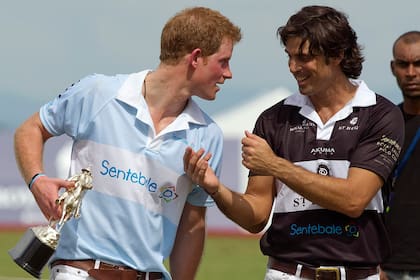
<point x="225" y="257"/>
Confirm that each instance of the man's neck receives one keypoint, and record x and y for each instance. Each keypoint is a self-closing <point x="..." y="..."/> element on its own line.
<point x="411" y="105"/>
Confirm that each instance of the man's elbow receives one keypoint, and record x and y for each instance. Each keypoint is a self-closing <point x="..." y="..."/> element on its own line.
<point x="256" y="228"/>
<point x="354" y="210"/>
<point x="354" y="214"/>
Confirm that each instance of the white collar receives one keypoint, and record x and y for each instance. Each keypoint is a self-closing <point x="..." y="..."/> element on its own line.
<point x="364" y="97"/>
<point x="129" y="93"/>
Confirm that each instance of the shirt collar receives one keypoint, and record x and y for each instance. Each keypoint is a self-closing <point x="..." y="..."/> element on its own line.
<point x="130" y="94"/>
<point x="130" y="90"/>
<point x="364" y="97"/>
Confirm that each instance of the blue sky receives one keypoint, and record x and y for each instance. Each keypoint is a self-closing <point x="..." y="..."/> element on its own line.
<point x="47" y="45"/>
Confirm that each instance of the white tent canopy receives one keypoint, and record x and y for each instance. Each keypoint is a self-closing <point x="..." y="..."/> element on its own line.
<point x="240" y="118"/>
<point x="235" y="121"/>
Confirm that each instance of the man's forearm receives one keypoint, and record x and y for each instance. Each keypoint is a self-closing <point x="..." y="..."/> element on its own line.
<point x="28" y="142"/>
<point x="251" y="210"/>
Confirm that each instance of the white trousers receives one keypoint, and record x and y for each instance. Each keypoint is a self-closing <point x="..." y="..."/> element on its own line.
<point x="65" y="272"/>
<point x="272" y="274"/>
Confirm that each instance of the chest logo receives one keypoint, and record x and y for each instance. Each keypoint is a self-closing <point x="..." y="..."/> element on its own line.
<point x="323" y="151"/>
<point x="354" y="120"/>
<point x="167" y="193"/>
<point x="324" y="170"/>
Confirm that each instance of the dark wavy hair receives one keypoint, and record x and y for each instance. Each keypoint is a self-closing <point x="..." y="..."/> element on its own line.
<point x="328" y="33"/>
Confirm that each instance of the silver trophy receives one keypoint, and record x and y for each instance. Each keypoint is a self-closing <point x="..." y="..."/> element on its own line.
<point x="35" y="248"/>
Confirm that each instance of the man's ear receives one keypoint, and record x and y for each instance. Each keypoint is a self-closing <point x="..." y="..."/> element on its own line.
<point x="392" y="65"/>
<point x="194" y="56"/>
<point x="337" y="60"/>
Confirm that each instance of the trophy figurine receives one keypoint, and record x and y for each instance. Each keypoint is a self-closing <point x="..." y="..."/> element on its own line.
<point x="35" y="248"/>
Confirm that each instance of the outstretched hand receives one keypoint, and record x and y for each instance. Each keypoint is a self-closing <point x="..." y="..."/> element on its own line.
<point x="257" y="155"/>
<point x="196" y="167"/>
<point x="45" y="191"/>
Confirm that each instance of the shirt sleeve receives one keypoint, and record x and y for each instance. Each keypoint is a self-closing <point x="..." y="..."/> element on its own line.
<point x="71" y="110"/>
<point x="381" y="143"/>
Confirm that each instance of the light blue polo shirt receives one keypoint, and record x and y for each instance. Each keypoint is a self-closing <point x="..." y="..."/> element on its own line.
<point x="131" y="215"/>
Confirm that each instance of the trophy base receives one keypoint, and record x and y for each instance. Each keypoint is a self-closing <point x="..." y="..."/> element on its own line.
<point x="31" y="254"/>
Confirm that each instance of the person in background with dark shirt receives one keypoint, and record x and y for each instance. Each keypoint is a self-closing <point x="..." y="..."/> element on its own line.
<point x="321" y="155"/>
<point x="401" y="219"/>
